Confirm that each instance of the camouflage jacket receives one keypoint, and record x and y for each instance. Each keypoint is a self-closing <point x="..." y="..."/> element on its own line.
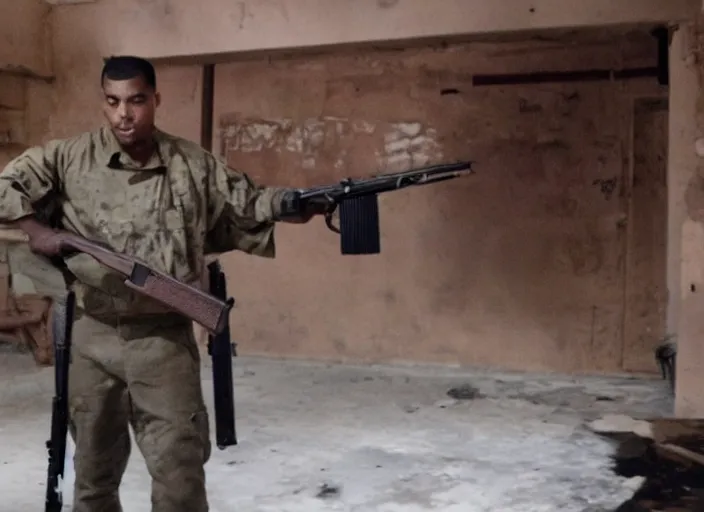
<point x="169" y="213"/>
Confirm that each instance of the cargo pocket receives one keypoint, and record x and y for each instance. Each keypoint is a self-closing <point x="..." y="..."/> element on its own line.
<point x="201" y="423"/>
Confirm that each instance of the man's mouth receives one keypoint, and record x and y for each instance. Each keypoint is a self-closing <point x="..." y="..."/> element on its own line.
<point x="126" y="131"/>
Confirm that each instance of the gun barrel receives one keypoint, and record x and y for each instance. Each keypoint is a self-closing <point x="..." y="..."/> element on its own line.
<point x="457" y="166"/>
<point x="387" y="182"/>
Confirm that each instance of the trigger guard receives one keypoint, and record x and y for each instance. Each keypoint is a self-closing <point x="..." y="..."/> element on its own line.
<point x="328" y="221"/>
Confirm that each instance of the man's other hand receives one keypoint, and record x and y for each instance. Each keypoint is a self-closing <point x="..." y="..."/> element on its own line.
<point x="42" y="239"/>
<point x="291" y="208"/>
<point x="303" y="218"/>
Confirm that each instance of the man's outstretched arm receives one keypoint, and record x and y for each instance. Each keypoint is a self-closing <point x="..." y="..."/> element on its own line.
<point x="241" y="215"/>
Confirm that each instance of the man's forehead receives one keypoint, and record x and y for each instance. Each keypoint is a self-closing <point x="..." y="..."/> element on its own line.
<point x="128" y="87"/>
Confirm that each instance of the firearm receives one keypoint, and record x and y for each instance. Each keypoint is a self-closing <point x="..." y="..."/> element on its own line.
<point x="201" y="307"/>
<point x="358" y="203"/>
<point x="221" y="351"/>
<point x="61" y="331"/>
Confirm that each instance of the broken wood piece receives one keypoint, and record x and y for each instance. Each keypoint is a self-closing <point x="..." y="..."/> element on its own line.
<point x="683" y="452"/>
<point x="672" y="462"/>
<point x="677" y="430"/>
<point x="12" y="235"/>
<point x="621" y="424"/>
<point x="24" y="322"/>
<point x="23" y="319"/>
<point x="38" y="339"/>
<point x="8" y="323"/>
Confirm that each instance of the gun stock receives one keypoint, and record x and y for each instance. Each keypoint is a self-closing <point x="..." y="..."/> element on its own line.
<point x="201" y="307"/>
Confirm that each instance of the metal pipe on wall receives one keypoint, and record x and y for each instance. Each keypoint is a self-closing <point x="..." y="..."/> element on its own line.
<point x="207" y="107"/>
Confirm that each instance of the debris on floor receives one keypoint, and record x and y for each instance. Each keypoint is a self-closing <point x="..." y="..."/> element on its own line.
<point x="464" y="392"/>
<point x="328" y="491"/>
<point x="664" y="457"/>
<point x="622" y="424"/>
<point x="666" y="357"/>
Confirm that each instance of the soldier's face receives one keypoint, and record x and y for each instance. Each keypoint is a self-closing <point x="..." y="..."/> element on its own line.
<point x="129" y="107"/>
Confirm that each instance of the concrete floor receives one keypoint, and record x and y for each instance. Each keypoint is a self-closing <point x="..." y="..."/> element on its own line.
<point x="390" y="439"/>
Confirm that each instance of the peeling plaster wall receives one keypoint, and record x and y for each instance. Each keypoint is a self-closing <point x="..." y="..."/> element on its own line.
<point x="403" y="145"/>
<point x="522" y="266"/>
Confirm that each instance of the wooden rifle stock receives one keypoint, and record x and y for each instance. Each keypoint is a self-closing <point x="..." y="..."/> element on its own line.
<point x="197" y="305"/>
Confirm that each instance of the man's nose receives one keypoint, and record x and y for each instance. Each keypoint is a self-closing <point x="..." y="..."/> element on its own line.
<point x="123" y="111"/>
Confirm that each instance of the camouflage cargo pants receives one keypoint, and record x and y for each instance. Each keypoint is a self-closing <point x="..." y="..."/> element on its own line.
<point x="146" y="376"/>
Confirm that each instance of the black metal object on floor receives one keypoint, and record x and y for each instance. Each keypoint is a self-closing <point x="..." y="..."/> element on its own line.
<point x="221" y="351"/>
<point x="666" y="356"/>
<point x="61" y="331"/>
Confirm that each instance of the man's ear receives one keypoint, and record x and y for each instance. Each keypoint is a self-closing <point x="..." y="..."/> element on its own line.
<point x="157" y="99"/>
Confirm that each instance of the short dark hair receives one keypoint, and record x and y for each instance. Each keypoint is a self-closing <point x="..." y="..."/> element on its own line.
<point x="124" y="67"/>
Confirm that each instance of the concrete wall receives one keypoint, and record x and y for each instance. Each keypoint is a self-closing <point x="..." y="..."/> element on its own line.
<point x="167" y="28"/>
<point x="78" y="99"/>
<point x="686" y="219"/>
<point x="25" y="37"/>
<point x="524" y="266"/>
<point x="25" y="72"/>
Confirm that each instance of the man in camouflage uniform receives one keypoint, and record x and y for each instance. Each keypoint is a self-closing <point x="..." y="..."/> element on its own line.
<point x="166" y="201"/>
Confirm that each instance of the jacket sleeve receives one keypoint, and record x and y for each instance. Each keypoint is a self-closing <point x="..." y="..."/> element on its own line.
<point x="29" y="179"/>
<point x="240" y="214"/>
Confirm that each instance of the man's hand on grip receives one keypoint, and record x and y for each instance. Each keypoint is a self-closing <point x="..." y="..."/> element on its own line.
<point x="42" y="239"/>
